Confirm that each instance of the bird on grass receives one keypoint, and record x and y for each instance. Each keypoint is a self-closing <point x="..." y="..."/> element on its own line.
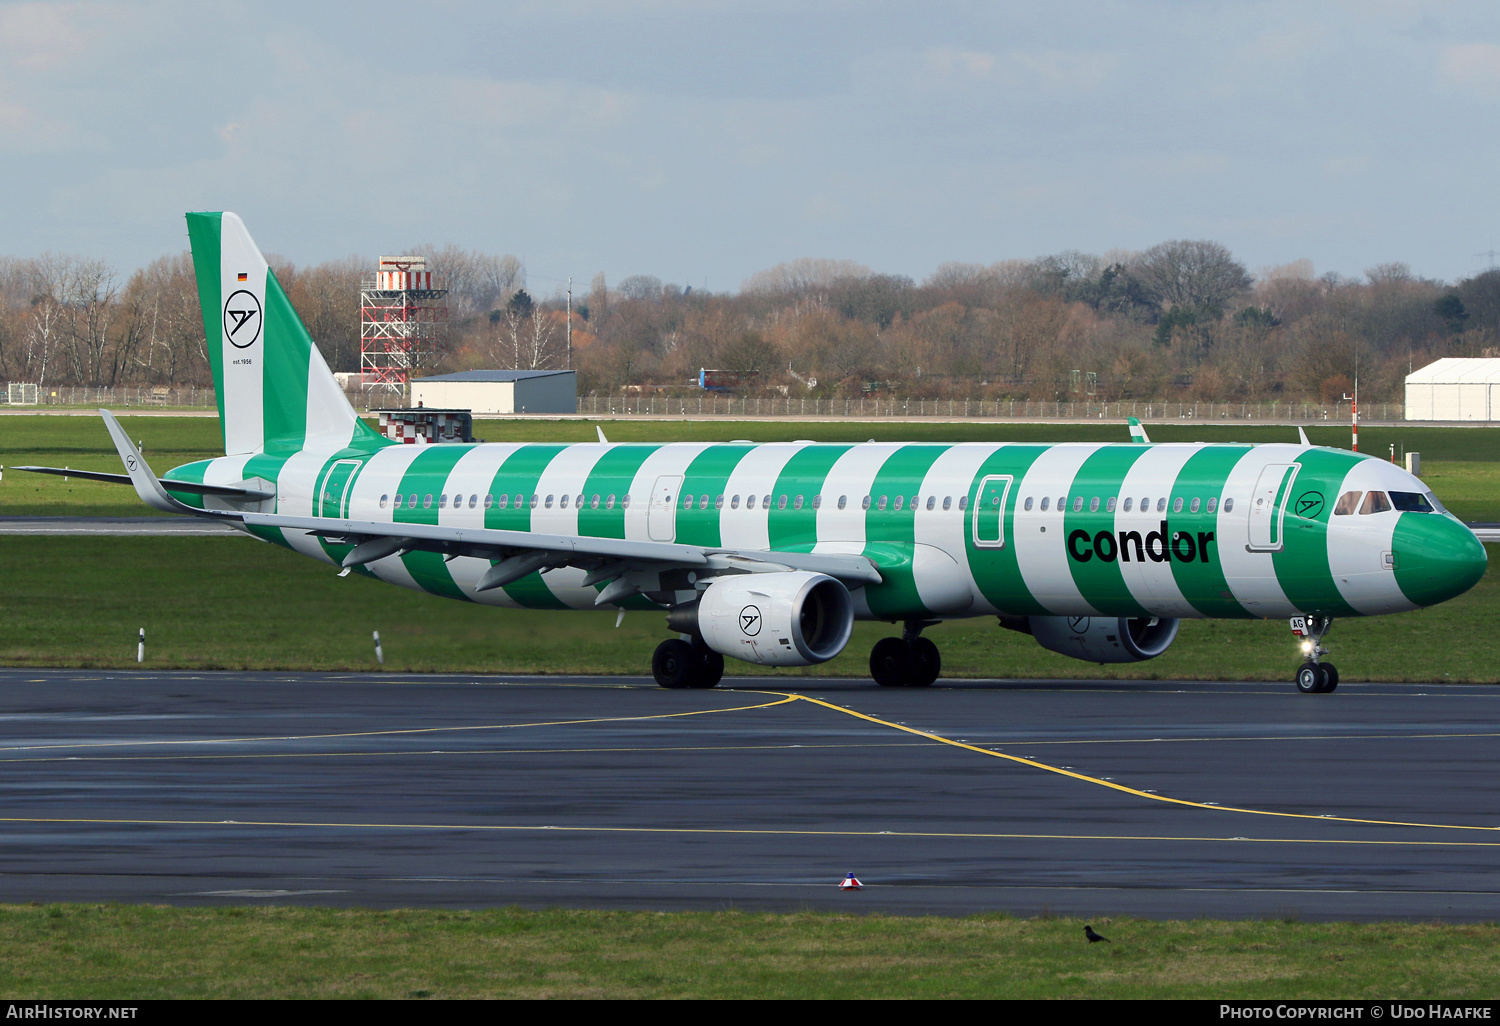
<point x="1095" y="938"/>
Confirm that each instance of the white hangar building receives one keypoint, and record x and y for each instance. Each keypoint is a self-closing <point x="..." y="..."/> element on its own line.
<point x="499" y="391"/>
<point x="1454" y="389"/>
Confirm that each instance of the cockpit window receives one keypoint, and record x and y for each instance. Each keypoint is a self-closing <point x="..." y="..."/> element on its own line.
<point x="1412" y="502"/>
<point x="1348" y="503"/>
<point x="1375" y="502"/>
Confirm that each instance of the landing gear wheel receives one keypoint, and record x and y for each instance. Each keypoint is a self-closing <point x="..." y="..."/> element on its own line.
<point x="1312" y="679"/>
<point x="675" y="664"/>
<point x="710" y="668"/>
<point x="1332" y="672"/>
<point x="926" y="663"/>
<point x="890" y="663"/>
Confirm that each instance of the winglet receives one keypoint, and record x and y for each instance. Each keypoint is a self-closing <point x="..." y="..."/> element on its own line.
<point x="1302" y="435"/>
<point x="147" y="485"/>
<point x="602" y="439"/>
<point x="1137" y="432"/>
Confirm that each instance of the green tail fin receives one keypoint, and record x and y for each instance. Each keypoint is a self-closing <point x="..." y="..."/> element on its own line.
<point x="275" y="392"/>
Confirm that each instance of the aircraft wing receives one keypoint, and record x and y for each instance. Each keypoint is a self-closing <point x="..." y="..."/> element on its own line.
<point x="520" y="553"/>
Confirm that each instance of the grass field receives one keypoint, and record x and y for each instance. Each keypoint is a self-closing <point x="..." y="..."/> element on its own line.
<point x="141" y="952"/>
<point x="235" y="603"/>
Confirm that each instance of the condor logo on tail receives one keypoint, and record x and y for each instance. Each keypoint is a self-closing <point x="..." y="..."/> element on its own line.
<point x="242" y="319"/>
<point x="1157" y="546"/>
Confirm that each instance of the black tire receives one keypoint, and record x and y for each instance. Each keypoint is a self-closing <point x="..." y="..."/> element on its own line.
<point x="675" y="664"/>
<point x="1332" y="673"/>
<point x="926" y="663"/>
<point x="710" y="669"/>
<point x="1311" y="679"/>
<point x="890" y="663"/>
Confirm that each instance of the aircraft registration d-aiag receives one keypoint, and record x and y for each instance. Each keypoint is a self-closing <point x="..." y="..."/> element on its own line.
<point x="769" y="553"/>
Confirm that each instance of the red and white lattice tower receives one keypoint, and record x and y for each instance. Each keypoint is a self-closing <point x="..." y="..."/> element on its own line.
<point x="401" y="317"/>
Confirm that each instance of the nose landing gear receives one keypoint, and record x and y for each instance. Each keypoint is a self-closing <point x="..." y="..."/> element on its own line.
<point x="1314" y="677"/>
<point x="910" y="661"/>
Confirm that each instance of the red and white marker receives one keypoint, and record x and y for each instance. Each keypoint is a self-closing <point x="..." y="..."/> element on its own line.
<point x="850" y="884"/>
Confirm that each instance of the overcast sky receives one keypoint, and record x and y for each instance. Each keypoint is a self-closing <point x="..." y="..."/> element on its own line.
<point x="701" y="141"/>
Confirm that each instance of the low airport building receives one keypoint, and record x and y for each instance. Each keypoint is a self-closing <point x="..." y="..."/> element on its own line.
<point x="1454" y="389"/>
<point x="500" y="391"/>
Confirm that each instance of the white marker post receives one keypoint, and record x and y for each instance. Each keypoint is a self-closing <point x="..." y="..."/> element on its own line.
<point x="379" y="655"/>
<point x="140" y="647"/>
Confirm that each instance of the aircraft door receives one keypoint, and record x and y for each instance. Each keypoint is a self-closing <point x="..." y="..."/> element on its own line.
<point x="661" y="517"/>
<point x="989" y="511"/>
<point x="334" y="496"/>
<point x="1268" y="506"/>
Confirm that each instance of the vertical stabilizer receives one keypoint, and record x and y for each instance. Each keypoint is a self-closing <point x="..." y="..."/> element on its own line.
<point x="274" y="390"/>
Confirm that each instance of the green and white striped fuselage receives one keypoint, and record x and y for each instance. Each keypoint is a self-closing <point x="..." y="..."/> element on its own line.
<point x="1076" y="529"/>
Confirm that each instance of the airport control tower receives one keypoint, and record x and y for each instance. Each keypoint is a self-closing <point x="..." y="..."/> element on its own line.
<point x="401" y="317"/>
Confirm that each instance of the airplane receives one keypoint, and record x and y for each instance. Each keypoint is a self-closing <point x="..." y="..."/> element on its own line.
<point x="768" y="553"/>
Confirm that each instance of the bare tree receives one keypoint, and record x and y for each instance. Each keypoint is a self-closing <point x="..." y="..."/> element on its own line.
<point x="1191" y="273"/>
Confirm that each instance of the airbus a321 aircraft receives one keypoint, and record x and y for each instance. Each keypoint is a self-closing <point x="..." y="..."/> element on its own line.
<point x="769" y="553"/>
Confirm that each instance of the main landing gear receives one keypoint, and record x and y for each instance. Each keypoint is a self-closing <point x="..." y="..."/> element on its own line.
<point x="683" y="663"/>
<point x="1314" y="677"/>
<point x="910" y="661"/>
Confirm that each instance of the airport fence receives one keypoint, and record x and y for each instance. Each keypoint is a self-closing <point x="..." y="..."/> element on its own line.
<point x="19" y="394"/>
<point x="730" y="406"/>
<point x="792" y="407"/>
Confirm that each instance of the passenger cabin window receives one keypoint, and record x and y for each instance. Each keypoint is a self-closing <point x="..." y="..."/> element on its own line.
<point x="384" y="499"/>
<point x="948" y="502"/>
<point x="1347" y="504"/>
<point x="1078" y="504"/>
<point x="750" y="502"/>
<point x="963" y="502"/>
<point x="734" y="502"/>
<point x="1026" y="506"/>
<point x="1109" y="507"/>
<point x="1177" y="504"/>
<point x="843" y="501"/>
<point x="1046" y="499"/>
<point x="1161" y="505"/>
<point x="1128" y="502"/>
<point x="1228" y="505"/>
<point x="1375" y="502"/>
<point x="1213" y="503"/>
<point x="1193" y="508"/>
<point x="1094" y="504"/>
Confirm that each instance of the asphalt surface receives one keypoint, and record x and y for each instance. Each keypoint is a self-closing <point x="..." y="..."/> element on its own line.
<point x="1167" y="800"/>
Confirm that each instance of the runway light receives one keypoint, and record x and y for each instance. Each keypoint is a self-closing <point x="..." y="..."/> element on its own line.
<point x="850" y="884"/>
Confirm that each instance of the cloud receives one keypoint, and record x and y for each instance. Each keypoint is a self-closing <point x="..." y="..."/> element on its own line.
<point x="38" y="37"/>
<point x="1473" y="66"/>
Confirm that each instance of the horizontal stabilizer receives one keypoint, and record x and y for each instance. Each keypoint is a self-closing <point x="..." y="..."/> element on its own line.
<point x="185" y="487"/>
<point x="1138" y="432"/>
<point x="147" y="485"/>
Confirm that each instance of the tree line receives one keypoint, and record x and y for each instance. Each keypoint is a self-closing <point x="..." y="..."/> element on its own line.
<point x="1182" y="319"/>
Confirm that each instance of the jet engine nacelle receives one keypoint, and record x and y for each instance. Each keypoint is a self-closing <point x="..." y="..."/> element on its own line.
<point x="1105" y="639"/>
<point x="777" y="619"/>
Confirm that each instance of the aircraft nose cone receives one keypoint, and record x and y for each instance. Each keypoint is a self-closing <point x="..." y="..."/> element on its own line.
<point x="1437" y="558"/>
